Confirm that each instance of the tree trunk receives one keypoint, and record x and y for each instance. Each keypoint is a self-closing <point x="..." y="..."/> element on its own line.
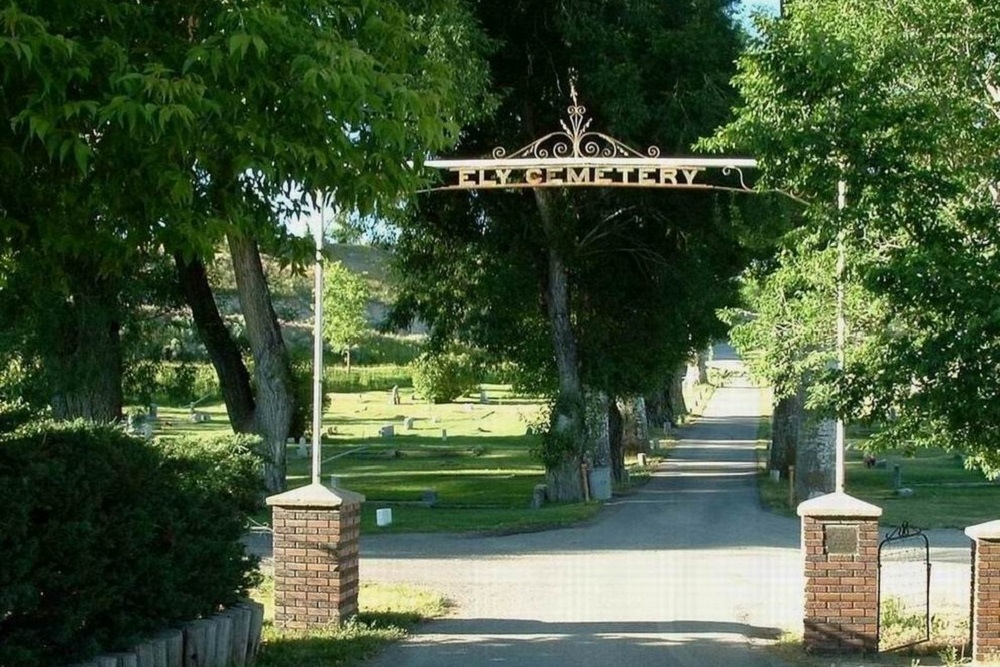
<point x="815" y="458"/>
<point x="567" y="425"/>
<point x="675" y="395"/>
<point x="275" y="401"/>
<point x="786" y="423"/>
<point x="598" y="430"/>
<point x="85" y="361"/>
<point x="658" y="407"/>
<point x="347" y="357"/>
<point x="234" y="378"/>
<point x="616" y="440"/>
<point x="635" y="430"/>
<point x="702" y="359"/>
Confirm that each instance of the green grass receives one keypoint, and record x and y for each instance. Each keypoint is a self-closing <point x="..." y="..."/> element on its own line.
<point x="386" y="614"/>
<point x="483" y="470"/>
<point x="945" y="493"/>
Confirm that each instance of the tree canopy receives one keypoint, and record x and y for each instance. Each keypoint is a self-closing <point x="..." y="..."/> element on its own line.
<point x="135" y="130"/>
<point x="899" y="100"/>
<point x="600" y="289"/>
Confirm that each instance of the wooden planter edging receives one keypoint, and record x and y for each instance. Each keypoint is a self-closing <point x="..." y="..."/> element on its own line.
<point x="230" y="638"/>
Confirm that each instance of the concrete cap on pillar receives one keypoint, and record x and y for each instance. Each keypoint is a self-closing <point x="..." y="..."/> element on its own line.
<point x="984" y="531"/>
<point x="838" y="504"/>
<point x="316" y="495"/>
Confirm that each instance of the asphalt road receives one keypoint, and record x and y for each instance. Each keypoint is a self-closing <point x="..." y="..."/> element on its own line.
<point x="687" y="571"/>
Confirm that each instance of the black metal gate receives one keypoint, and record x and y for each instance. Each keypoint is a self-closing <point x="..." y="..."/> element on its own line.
<point x="904" y="589"/>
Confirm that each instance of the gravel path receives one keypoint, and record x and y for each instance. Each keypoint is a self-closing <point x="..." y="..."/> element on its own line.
<point x="687" y="571"/>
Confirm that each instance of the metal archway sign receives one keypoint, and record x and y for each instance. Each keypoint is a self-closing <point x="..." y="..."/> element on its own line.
<point x="577" y="156"/>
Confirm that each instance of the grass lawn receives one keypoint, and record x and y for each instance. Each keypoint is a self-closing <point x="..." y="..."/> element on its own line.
<point x="945" y="493"/>
<point x="475" y="456"/>
<point x="386" y="613"/>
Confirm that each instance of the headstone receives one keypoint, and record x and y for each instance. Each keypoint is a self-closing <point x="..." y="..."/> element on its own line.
<point x="394" y="395"/>
<point x="904" y="492"/>
<point x="408" y="423"/>
<point x="387" y="431"/>
<point x="897" y="477"/>
<point x="152" y="411"/>
<point x="538" y="496"/>
<point x="641" y="459"/>
<point x="429" y="498"/>
<point x="147" y="430"/>
<point x="333" y="482"/>
<point x="444" y="434"/>
<point x="483" y="398"/>
<point x="383" y="516"/>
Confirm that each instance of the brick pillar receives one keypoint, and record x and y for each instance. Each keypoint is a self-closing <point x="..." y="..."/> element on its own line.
<point x="316" y="533"/>
<point x="840" y="547"/>
<point x="985" y="591"/>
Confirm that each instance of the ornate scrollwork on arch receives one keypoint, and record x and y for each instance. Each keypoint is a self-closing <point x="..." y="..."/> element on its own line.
<point x="576" y="140"/>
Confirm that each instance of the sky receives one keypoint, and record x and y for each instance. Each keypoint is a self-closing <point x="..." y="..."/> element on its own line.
<point x="748" y="6"/>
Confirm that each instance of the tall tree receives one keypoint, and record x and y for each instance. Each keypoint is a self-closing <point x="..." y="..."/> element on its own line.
<point x="345" y="302"/>
<point x="179" y="125"/>
<point x="602" y="291"/>
<point x="899" y="100"/>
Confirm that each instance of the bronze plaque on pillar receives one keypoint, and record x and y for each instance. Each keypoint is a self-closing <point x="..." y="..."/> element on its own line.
<point x="841" y="539"/>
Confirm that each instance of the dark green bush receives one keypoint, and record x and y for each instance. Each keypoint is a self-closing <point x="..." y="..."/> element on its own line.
<point x="14" y="414"/>
<point x="106" y="537"/>
<point x="184" y="383"/>
<point x="443" y="377"/>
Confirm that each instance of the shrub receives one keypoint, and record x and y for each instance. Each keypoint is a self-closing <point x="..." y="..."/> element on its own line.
<point x="184" y="383"/>
<point x="107" y="537"/>
<point x="14" y="414"/>
<point x="366" y="378"/>
<point x="443" y="377"/>
<point x="302" y="390"/>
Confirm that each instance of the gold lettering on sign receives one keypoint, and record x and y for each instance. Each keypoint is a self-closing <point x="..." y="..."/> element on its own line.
<point x="621" y="175"/>
<point x="466" y="178"/>
<point x="602" y="177"/>
<point x="689" y="174"/>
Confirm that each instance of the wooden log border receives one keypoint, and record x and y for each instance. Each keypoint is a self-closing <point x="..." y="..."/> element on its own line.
<point x="230" y="638"/>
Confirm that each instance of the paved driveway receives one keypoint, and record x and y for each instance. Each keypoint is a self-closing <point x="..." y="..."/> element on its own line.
<point x="688" y="571"/>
